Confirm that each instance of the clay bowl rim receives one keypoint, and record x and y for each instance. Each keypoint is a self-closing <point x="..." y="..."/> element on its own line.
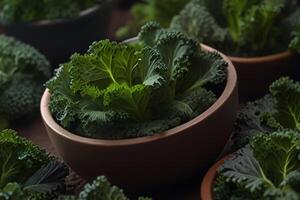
<point x="84" y="13"/>
<point x="262" y="59"/>
<point x="230" y="87"/>
<point x="206" y="188"/>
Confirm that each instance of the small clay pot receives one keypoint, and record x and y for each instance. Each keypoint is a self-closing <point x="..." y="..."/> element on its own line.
<point x="257" y="73"/>
<point x="59" y="39"/>
<point x="153" y="161"/>
<point x="207" y="185"/>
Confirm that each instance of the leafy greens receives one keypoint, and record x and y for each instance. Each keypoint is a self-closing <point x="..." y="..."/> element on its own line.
<point x="28" y="172"/>
<point x="269" y="168"/>
<point x="279" y="110"/>
<point x="240" y="27"/>
<point x="118" y="90"/>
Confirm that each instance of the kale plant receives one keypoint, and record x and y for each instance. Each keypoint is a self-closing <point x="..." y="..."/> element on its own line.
<point x="118" y="90"/>
<point x="28" y="172"/>
<point x="23" y="70"/>
<point x="240" y="27"/>
<point x="267" y="169"/>
<point x="279" y="110"/>
<point x="100" y="189"/>
<point x="14" y="11"/>
<point x="150" y="10"/>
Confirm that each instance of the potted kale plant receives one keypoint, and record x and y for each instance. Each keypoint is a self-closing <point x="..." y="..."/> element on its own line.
<point x="267" y="165"/>
<point x="23" y="71"/>
<point x="142" y="113"/>
<point x="150" y="10"/>
<point x="256" y="35"/>
<point x="56" y="28"/>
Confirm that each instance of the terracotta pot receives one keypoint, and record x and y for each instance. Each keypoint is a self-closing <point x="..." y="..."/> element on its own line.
<point x="59" y="39"/>
<point x="153" y="161"/>
<point x="207" y="186"/>
<point x="257" y="73"/>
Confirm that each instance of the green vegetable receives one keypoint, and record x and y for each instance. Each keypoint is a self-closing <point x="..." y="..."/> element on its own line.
<point x="12" y="11"/>
<point x="28" y="172"/>
<point x="268" y="169"/>
<point x="100" y="189"/>
<point x="277" y="111"/>
<point x="240" y="27"/>
<point x="150" y="10"/>
<point x="120" y="90"/>
<point x="23" y="70"/>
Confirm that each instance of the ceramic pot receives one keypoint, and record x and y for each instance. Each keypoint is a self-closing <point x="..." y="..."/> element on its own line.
<point x="207" y="186"/>
<point x="152" y="161"/>
<point x="59" y="39"/>
<point x="257" y="73"/>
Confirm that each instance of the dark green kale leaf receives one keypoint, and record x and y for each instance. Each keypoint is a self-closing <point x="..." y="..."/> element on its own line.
<point x="250" y="120"/>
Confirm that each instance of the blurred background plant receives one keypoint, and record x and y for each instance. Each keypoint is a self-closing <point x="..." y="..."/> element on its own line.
<point x="150" y="10"/>
<point x="36" y="10"/>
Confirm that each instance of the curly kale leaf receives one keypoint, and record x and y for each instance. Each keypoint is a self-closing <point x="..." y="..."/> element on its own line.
<point x="196" y="22"/>
<point x="176" y="52"/>
<point x="278" y="154"/>
<point x="287" y="94"/>
<point x="132" y="100"/>
<point x="244" y="168"/>
<point x="251" y="120"/>
<point x="150" y="33"/>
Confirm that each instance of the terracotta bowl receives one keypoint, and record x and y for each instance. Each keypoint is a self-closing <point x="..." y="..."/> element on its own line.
<point x="153" y="161"/>
<point x="257" y="73"/>
<point x="207" y="186"/>
<point x="59" y="39"/>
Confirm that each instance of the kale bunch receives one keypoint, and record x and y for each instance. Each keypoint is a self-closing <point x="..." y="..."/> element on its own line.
<point x="100" y="189"/>
<point x="150" y="10"/>
<point x="28" y="172"/>
<point x="279" y="110"/>
<point x="23" y="70"/>
<point x="240" y="27"/>
<point x="267" y="169"/>
<point x="119" y="90"/>
<point x="14" y="11"/>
